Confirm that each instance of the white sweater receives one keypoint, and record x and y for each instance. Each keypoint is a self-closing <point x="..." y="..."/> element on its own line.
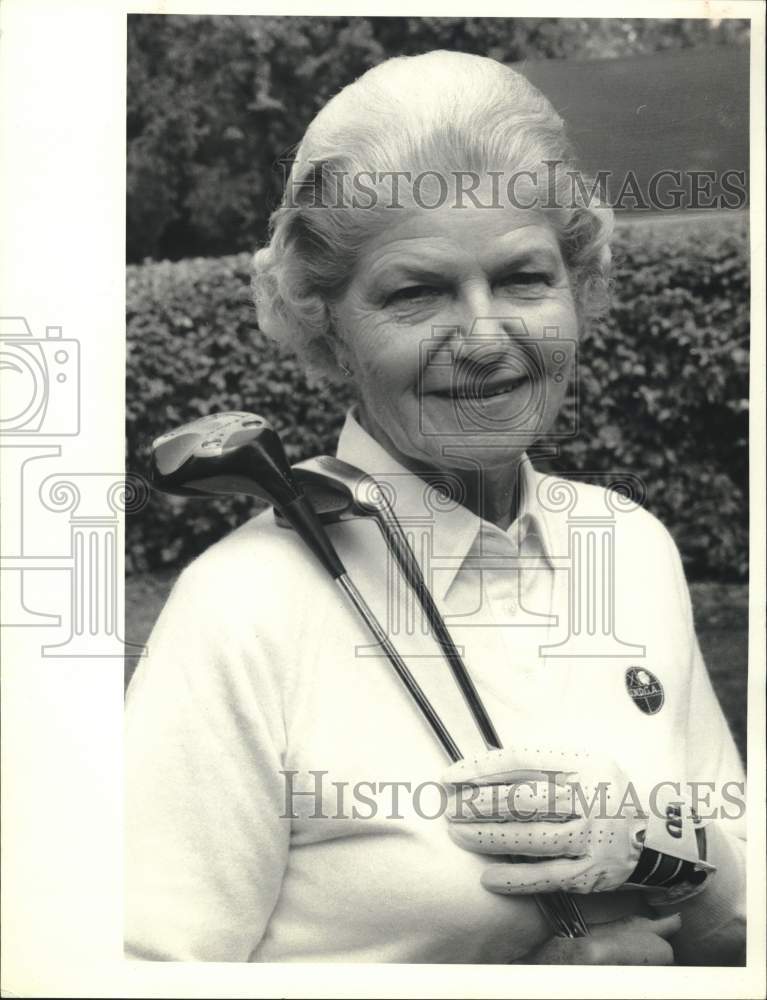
<point x="258" y="667"/>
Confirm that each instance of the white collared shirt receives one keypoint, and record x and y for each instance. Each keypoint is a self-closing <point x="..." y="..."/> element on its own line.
<point x="482" y="576"/>
<point x="261" y="682"/>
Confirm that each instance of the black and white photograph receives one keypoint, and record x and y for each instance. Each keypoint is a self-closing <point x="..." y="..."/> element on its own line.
<point x="414" y="609"/>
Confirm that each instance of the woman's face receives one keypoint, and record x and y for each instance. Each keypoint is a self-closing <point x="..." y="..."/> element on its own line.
<point x="459" y="327"/>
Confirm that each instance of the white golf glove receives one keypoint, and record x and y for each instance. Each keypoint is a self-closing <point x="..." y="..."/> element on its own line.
<point x="570" y="821"/>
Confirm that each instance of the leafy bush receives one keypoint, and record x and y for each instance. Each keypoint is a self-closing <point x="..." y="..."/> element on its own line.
<point x="216" y="103"/>
<point x="663" y="387"/>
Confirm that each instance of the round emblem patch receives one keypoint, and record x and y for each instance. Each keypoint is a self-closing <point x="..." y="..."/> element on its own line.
<point x="645" y="690"/>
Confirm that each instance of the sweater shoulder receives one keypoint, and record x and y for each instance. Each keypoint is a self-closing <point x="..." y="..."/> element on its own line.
<point x="259" y="570"/>
<point x="620" y="501"/>
<point x="260" y="548"/>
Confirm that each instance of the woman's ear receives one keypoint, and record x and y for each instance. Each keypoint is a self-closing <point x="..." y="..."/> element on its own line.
<point x="340" y="351"/>
<point x="344" y="363"/>
<point x="338" y="355"/>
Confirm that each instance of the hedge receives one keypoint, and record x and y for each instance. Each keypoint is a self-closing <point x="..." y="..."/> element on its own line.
<point x="215" y="103"/>
<point x="663" y="387"/>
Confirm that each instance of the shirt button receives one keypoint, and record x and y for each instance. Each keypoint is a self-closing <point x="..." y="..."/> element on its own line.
<point x="512" y="605"/>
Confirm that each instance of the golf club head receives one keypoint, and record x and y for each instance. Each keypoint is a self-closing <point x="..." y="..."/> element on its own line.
<point x="236" y="453"/>
<point x="338" y="491"/>
<point x="326" y="472"/>
<point x="329" y="506"/>
<point x="227" y="453"/>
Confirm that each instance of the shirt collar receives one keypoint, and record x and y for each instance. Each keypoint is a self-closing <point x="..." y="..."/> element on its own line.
<point x="454" y="529"/>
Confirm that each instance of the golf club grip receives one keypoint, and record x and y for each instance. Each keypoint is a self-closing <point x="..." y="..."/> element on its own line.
<point x="560" y="909"/>
<point x="412" y="685"/>
<point x="302" y="517"/>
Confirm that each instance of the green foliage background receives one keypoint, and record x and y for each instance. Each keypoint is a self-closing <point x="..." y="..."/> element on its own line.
<point x="216" y="104"/>
<point x="663" y="387"/>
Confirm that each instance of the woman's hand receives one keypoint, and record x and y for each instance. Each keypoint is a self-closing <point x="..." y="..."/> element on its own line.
<point x="567" y="812"/>
<point x="628" y="941"/>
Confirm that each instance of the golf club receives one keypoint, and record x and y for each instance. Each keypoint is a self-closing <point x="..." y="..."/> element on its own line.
<point x="240" y="453"/>
<point x="235" y="453"/>
<point x="340" y="491"/>
<point x="359" y="495"/>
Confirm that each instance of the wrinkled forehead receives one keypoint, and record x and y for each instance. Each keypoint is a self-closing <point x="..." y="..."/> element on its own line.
<point x="480" y="231"/>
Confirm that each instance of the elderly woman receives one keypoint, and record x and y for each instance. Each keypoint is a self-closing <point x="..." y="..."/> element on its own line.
<point x="285" y="800"/>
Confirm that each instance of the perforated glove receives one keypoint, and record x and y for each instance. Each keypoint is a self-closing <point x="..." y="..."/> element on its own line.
<point x="557" y="819"/>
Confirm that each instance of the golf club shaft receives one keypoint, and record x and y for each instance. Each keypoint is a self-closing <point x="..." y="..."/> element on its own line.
<point x="561" y="910"/>
<point x="303" y="517"/>
<point x="398" y="545"/>
<point x="400" y="666"/>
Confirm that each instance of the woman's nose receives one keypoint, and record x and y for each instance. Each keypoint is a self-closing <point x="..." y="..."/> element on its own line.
<point x="476" y="301"/>
<point x="482" y="313"/>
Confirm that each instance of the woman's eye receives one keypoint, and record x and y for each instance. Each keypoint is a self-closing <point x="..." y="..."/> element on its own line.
<point x="411" y="294"/>
<point x="526" y="279"/>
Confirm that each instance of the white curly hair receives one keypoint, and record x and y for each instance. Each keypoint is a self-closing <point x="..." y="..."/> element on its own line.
<point x="456" y="111"/>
